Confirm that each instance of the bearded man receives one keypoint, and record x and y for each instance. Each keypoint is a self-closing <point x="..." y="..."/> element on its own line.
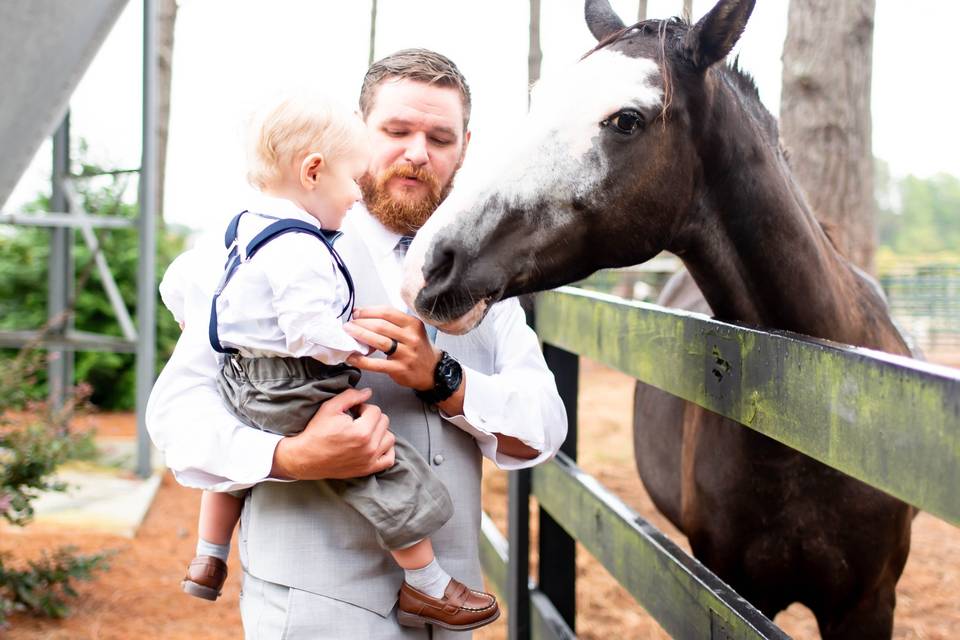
<point x="312" y="566"/>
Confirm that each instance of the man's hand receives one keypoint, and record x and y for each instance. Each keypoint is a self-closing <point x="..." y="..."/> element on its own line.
<point x="415" y="358"/>
<point x="335" y="445"/>
<point x="413" y="362"/>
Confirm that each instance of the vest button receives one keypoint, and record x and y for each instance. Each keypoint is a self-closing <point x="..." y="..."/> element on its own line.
<point x="438" y="459"/>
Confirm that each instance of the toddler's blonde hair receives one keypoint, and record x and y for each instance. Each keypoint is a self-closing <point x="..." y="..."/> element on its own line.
<point x="295" y="125"/>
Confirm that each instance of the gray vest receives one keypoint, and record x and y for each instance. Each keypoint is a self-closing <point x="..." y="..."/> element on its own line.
<point x="301" y="535"/>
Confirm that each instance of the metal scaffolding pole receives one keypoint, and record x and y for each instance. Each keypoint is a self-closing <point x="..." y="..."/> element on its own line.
<point x="146" y="275"/>
<point x="60" y="274"/>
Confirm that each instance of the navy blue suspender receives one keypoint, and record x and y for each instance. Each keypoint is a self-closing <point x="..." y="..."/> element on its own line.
<point x="273" y="230"/>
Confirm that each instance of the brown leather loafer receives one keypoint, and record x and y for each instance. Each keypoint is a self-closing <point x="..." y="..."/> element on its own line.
<point x="205" y="577"/>
<point x="459" y="609"/>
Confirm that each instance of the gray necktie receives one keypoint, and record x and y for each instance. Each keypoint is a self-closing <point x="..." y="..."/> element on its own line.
<point x="401" y="250"/>
<point x="402" y="245"/>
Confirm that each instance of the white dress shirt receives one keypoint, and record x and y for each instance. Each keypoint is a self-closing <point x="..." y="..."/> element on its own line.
<point x="287" y="299"/>
<point x="207" y="447"/>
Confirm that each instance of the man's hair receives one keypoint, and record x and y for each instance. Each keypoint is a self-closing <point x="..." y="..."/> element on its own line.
<point x="421" y="65"/>
<point x="299" y="124"/>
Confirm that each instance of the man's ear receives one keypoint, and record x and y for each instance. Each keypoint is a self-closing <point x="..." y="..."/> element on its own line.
<point x="310" y="169"/>
<point x="713" y="37"/>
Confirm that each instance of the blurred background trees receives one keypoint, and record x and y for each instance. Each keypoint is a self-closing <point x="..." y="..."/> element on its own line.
<point x="24" y="253"/>
<point x="918" y="216"/>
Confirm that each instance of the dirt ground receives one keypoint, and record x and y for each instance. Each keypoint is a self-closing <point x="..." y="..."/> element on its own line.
<point x="139" y="596"/>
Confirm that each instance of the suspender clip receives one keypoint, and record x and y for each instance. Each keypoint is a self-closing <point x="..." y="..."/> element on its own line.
<point x="235" y="365"/>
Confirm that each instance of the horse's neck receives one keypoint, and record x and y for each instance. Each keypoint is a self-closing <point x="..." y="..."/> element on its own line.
<point x="757" y="252"/>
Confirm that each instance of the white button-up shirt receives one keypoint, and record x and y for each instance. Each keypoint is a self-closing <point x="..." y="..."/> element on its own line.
<point x="207" y="447"/>
<point x="287" y="299"/>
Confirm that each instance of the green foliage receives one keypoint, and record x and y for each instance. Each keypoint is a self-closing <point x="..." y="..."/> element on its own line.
<point x="31" y="449"/>
<point x="44" y="585"/>
<point x="29" y="454"/>
<point x="24" y="254"/>
<point x="918" y="216"/>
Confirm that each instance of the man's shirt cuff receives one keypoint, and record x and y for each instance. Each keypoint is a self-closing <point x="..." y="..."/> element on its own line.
<point x="488" y="409"/>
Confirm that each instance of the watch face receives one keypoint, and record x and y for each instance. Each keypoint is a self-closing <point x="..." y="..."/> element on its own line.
<point x="447" y="368"/>
<point x="448" y="372"/>
<point x="447" y="377"/>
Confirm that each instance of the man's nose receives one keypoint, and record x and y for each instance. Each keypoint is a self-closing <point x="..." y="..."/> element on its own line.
<point x="416" y="149"/>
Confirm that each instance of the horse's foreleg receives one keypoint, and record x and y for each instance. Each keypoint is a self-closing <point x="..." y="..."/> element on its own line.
<point x="870" y="619"/>
<point x="658" y="435"/>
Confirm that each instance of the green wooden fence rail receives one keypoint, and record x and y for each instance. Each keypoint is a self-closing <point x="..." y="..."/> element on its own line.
<point x="889" y="421"/>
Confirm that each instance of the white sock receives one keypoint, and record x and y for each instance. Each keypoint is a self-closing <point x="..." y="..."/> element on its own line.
<point x="431" y="579"/>
<point x="205" y="548"/>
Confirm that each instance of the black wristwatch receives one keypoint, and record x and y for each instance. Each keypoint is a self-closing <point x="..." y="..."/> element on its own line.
<point x="447" y="377"/>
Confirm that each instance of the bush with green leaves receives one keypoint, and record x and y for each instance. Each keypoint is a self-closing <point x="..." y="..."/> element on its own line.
<point x="32" y="447"/>
<point x="24" y="260"/>
<point x="44" y="585"/>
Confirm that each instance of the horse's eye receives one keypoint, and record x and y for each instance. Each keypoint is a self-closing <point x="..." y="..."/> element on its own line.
<point x="624" y="122"/>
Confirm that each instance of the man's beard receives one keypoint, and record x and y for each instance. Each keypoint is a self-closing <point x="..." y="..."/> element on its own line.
<point x="403" y="214"/>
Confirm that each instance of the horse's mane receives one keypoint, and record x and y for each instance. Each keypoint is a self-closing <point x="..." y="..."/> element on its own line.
<point x="746" y="88"/>
<point x="743" y="79"/>
<point x="743" y="83"/>
<point x="673" y="28"/>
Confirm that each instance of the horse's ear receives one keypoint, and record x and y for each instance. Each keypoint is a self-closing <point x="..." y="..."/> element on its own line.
<point x="710" y="40"/>
<point x="601" y="18"/>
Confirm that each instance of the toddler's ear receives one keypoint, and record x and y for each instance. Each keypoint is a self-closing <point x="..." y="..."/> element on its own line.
<point x="310" y="169"/>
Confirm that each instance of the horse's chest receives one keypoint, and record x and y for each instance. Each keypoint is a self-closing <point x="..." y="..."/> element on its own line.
<point x="786" y="511"/>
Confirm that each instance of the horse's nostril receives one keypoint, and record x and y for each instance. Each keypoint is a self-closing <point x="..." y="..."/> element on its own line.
<point x="442" y="264"/>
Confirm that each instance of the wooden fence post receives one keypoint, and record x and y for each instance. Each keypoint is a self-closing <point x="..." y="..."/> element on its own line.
<point x="558" y="551"/>
<point x="518" y="564"/>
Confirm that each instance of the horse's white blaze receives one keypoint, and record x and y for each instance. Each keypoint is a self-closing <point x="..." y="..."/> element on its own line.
<point x="552" y="157"/>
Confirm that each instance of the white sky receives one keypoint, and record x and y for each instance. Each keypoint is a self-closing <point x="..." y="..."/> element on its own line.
<point x="230" y="54"/>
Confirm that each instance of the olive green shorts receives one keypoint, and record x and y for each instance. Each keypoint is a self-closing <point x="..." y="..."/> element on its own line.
<point x="405" y="503"/>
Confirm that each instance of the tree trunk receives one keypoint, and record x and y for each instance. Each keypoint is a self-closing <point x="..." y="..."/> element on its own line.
<point x="534" y="57"/>
<point x="825" y="118"/>
<point x="166" y="21"/>
<point x="373" y="32"/>
<point x="534" y="53"/>
<point x="688" y="10"/>
<point x="642" y="11"/>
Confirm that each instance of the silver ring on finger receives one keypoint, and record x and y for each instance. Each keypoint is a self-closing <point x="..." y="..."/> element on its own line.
<point x="393" y="348"/>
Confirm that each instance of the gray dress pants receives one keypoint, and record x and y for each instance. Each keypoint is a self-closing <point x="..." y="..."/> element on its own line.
<point x="405" y="503"/>
<point x="274" y="612"/>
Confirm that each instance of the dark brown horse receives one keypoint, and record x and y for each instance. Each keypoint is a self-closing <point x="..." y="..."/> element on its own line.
<point x="651" y="143"/>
